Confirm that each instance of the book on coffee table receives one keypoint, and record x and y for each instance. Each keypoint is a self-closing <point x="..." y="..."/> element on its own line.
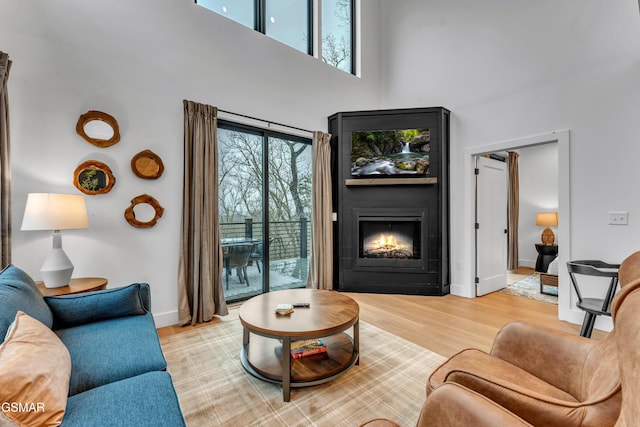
<point x="302" y="348"/>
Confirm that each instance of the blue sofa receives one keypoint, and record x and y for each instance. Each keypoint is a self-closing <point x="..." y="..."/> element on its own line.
<point x="118" y="371"/>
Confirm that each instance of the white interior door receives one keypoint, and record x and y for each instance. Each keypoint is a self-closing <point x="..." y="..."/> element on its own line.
<point x="491" y="225"/>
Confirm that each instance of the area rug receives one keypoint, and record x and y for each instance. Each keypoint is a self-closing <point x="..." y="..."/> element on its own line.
<point x="214" y="389"/>
<point x="529" y="287"/>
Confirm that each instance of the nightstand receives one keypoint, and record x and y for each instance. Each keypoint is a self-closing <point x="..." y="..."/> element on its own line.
<point x="546" y="254"/>
<point x="75" y="286"/>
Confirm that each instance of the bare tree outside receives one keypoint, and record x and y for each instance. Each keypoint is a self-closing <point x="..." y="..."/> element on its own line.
<point x="288" y="22"/>
<point x="241" y="177"/>
<point x="336" y="33"/>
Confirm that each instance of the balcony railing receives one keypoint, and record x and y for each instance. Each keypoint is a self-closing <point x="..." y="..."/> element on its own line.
<point x="290" y="238"/>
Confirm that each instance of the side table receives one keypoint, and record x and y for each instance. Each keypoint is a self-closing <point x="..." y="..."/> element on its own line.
<point x="75" y="286"/>
<point x="546" y="254"/>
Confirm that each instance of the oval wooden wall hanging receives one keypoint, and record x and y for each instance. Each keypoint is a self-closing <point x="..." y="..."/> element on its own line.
<point x="90" y="116"/>
<point x="147" y="165"/>
<point x="130" y="215"/>
<point x="93" y="177"/>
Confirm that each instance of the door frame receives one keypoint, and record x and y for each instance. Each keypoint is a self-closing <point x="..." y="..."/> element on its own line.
<point x="566" y="310"/>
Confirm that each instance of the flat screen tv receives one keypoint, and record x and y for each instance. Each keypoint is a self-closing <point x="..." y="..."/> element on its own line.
<point x="382" y="153"/>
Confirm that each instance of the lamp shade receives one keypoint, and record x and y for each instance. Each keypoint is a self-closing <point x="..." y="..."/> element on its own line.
<point x="46" y="211"/>
<point x="547" y="219"/>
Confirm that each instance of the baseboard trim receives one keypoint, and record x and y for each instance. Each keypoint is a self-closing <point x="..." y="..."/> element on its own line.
<point x="461" y="291"/>
<point x="169" y="318"/>
<point x="527" y="263"/>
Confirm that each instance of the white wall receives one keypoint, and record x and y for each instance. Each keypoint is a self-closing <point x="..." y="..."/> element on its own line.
<point x="138" y="60"/>
<point x="511" y="69"/>
<point x="538" y="177"/>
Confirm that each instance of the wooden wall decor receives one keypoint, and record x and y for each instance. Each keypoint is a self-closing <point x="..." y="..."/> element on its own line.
<point x="92" y="115"/>
<point x="147" y="165"/>
<point x="130" y="215"/>
<point x="93" y="177"/>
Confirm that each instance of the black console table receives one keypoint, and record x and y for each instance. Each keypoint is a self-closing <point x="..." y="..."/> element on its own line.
<point x="546" y="254"/>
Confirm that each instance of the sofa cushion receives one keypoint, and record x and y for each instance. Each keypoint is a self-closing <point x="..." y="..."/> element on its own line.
<point x="111" y="350"/>
<point x="34" y="374"/>
<point x="76" y="309"/>
<point x="19" y="292"/>
<point x="147" y="400"/>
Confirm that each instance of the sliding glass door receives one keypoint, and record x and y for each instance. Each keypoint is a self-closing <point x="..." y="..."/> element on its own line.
<point x="265" y="209"/>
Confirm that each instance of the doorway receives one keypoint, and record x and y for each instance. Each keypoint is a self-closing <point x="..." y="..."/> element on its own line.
<point x="535" y="190"/>
<point x="565" y="311"/>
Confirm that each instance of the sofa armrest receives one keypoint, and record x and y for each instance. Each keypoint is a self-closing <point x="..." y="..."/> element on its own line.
<point x="78" y="309"/>
<point x="453" y="405"/>
<point x="537" y="350"/>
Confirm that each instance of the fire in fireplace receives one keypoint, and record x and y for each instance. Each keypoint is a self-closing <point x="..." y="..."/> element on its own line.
<point x="389" y="240"/>
<point x="388" y="246"/>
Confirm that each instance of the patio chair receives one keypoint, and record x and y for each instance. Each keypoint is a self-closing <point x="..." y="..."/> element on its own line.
<point x="237" y="256"/>
<point x="258" y="253"/>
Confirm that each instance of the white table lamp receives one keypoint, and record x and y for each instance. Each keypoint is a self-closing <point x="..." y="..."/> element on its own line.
<point x="45" y="211"/>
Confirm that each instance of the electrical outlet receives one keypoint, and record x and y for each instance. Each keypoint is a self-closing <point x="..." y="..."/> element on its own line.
<point x="618" y="218"/>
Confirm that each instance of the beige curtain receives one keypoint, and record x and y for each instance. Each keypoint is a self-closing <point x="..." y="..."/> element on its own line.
<point x="513" y="212"/>
<point x="321" y="265"/>
<point x="200" y="294"/>
<point x="5" y="165"/>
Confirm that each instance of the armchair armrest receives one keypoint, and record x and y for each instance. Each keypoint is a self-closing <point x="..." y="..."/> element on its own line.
<point x="78" y="309"/>
<point x="537" y="350"/>
<point x="453" y="405"/>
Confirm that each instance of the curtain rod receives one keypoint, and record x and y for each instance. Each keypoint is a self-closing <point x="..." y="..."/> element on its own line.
<point x="264" y="121"/>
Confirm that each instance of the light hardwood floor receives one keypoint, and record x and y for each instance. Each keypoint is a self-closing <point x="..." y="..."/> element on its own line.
<point x="447" y="324"/>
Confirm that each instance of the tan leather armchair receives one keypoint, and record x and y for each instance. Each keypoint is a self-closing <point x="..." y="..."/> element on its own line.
<point x="552" y="378"/>
<point x="629" y="269"/>
<point x="549" y="377"/>
<point x="545" y="376"/>
<point x="452" y="405"/>
<point x="626" y="316"/>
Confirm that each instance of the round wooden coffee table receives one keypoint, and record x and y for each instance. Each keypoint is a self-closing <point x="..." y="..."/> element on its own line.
<point x="267" y="337"/>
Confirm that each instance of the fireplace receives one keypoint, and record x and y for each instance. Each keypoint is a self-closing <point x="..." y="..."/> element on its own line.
<point x="391" y="229"/>
<point x="389" y="239"/>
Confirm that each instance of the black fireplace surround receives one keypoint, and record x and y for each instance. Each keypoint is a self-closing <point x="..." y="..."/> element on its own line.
<point x="392" y="232"/>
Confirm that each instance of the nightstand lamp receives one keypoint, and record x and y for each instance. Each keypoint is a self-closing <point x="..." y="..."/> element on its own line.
<point x="45" y="211"/>
<point x="547" y="219"/>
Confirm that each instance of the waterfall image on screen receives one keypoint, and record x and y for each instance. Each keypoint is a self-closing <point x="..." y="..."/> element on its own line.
<point x="390" y="152"/>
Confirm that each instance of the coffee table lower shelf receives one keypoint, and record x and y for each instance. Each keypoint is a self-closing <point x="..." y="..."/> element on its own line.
<point x="262" y="358"/>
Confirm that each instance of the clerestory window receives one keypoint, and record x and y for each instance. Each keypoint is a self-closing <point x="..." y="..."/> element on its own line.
<point x="293" y="23"/>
